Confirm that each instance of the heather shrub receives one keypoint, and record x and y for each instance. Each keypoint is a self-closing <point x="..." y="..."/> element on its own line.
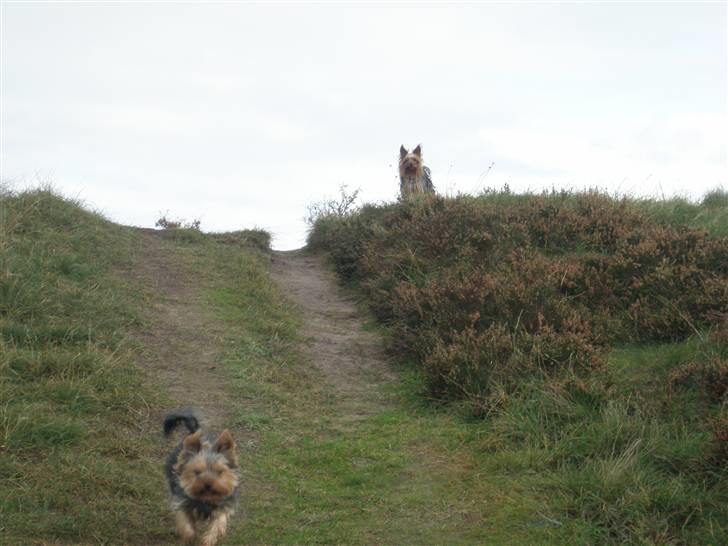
<point x="716" y="451"/>
<point x="709" y="377"/>
<point x="470" y="363"/>
<point x="479" y="291"/>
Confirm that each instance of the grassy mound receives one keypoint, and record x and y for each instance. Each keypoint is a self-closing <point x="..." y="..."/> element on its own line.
<point x="80" y="440"/>
<point x="74" y="454"/>
<point x="592" y="331"/>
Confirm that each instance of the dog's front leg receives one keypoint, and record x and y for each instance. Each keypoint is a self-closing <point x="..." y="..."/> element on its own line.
<point x="185" y="527"/>
<point x="216" y="529"/>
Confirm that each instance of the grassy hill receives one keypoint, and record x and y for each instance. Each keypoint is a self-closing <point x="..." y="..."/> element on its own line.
<point x="75" y="456"/>
<point x="588" y="334"/>
<point x="80" y="440"/>
<point x="563" y="382"/>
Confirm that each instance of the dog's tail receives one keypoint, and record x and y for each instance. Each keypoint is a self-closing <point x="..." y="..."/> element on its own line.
<point x="188" y="416"/>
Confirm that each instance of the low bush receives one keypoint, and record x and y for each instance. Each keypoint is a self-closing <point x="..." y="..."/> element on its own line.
<point x="482" y="290"/>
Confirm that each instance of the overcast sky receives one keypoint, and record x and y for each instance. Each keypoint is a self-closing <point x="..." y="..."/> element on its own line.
<point x="242" y="114"/>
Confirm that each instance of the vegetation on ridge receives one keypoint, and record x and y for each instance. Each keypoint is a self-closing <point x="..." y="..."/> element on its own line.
<point x="592" y="331"/>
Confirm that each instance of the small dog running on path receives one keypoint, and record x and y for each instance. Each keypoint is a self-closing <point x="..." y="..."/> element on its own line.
<point x="202" y="472"/>
<point x="414" y="177"/>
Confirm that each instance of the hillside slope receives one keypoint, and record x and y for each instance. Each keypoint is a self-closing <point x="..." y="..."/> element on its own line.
<point x="78" y="450"/>
<point x="589" y="333"/>
<point x="104" y="328"/>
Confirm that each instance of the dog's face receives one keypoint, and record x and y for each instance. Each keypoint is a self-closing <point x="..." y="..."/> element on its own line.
<point x="207" y="471"/>
<point x="410" y="163"/>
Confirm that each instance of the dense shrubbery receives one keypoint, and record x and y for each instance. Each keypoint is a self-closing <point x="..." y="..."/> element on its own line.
<point x="482" y="290"/>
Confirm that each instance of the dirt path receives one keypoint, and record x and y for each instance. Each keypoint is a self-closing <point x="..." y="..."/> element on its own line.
<point x="182" y="340"/>
<point x="331" y="453"/>
<point x="350" y="358"/>
<point x="185" y="339"/>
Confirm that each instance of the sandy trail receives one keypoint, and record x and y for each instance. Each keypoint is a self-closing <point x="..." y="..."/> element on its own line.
<point x="183" y="341"/>
<point x="181" y="338"/>
<point x="350" y="358"/>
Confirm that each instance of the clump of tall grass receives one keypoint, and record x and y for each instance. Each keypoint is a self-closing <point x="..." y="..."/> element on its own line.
<point x="717" y="198"/>
<point x="258" y="239"/>
<point x="711" y="213"/>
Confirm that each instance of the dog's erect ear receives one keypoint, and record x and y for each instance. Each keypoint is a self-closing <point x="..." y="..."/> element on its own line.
<point x="402" y="152"/>
<point x="225" y="445"/>
<point x="418" y="151"/>
<point x="193" y="442"/>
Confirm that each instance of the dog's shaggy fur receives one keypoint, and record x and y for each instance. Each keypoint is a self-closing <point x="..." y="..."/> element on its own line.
<point x="202" y="472"/>
<point x="414" y="177"/>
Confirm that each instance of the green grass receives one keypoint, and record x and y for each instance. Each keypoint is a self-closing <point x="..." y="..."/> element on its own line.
<point x="622" y="457"/>
<point x="80" y="450"/>
<point x="711" y="213"/>
<point x="76" y="456"/>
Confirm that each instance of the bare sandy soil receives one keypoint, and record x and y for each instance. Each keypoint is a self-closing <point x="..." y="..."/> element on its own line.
<point x="182" y="340"/>
<point x="350" y="358"/>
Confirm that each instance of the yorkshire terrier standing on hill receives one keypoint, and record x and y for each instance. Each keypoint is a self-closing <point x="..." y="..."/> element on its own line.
<point x="202" y="472"/>
<point x="414" y="177"/>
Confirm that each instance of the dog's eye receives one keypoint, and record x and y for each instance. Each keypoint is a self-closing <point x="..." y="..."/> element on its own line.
<point x="198" y="472"/>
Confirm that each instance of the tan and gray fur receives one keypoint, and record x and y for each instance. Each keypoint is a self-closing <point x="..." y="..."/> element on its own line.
<point x="414" y="177"/>
<point x="203" y="477"/>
